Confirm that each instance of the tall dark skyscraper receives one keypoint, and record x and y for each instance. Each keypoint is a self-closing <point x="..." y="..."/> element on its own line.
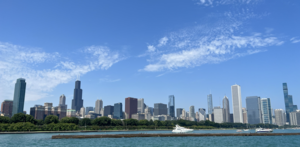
<point x="130" y="106"/>
<point x="171" y="105"/>
<point x="19" y="96"/>
<point x="226" y="109"/>
<point x="254" y="115"/>
<point x="160" y="109"/>
<point x="77" y="101"/>
<point x="179" y="112"/>
<point x="108" y="110"/>
<point x="288" y="100"/>
<point x="210" y="104"/>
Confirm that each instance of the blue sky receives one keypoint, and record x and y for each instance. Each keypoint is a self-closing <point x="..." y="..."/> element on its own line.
<point x="150" y="49"/>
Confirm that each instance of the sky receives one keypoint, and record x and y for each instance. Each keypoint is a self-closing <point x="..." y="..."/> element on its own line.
<point x="150" y="49"/>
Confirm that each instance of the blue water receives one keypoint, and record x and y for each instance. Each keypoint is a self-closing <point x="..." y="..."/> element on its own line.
<point x="247" y="141"/>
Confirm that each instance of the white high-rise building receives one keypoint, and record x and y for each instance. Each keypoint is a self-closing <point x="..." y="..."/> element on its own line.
<point x="183" y="115"/>
<point x="192" y="112"/>
<point x="82" y="112"/>
<point x="202" y="114"/>
<point x="237" y="103"/>
<point x="279" y="117"/>
<point x="219" y="115"/>
<point x="140" y="106"/>
<point x="98" y="106"/>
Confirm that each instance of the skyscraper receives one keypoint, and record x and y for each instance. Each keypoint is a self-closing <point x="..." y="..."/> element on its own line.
<point x="62" y="101"/>
<point x="160" y="109"/>
<point x="98" y="106"/>
<point x="226" y="109"/>
<point x="130" y="106"/>
<point x="82" y="112"/>
<point x="210" y="104"/>
<point x="171" y="105"/>
<point x="140" y="107"/>
<point x="202" y="114"/>
<point x="192" y="112"/>
<point x="288" y="100"/>
<point x="218" y="115"/>
<point x="19" y="96"/>
<point x="108" y="110"/>
<point x="7" y="107"/>
<point x="279" y="117"/>
<point x="237" y="103"/>
<point x="253" y="104"/>
<point x="118" y="113"/>
<point x="245" y="119"/>
<point x="266" y="110"/>
<point x="77" y="101"/>
<point x="178" y="112"/>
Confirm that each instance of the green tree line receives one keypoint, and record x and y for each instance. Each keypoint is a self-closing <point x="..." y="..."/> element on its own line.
<point x="22" y="122"/>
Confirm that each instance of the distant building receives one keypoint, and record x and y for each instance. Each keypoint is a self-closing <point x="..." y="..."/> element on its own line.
<point x="19" y="96"/>
<point x="7" y="107"/>
<point x="295" y="118"/>
<point x="160" y="109"/>
<point x="118" y="113"/>
<point x="197" y="116"/>
<point x="62" y="101"/>
<point x="279" y="117"/>
<point x="288" y="99"/>
<point x="183" y="114"/>
<point x="88" y="109"/>
<point x="138" y="116"/>
<point x="77" y="101"/>
<point x="237" y="103"/>
<point x="98" y="106"/>
<point x="245" y="119"/>
<point x="266" y="110"/>
<point x="171" y="106"/>
<point x="192" y="112"/>
<point x="178" y="112"/>
<point x="211" y="117"/>
<point x="202" y="114"/>
<point x="82" y="112"/>
<point x="219" y="115"/>
<point x="40" y="112"/>
<point x="226" y="109"/>
<point x="254" y="115"/>
<point x="108" y="110"/>
<point x="92" y="115"/>
<point x="130" y="106"/>
<point x="231" y="118"/>
<point x="210" y="104"/>
<point x="140" y="107"/>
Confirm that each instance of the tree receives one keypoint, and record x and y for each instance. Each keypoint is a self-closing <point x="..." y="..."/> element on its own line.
<point x="151" y="123"/>
<point x="30" y="119"/>
<point x="85" y="121"/>
<point x="19" y="117"/>
<point x="70" y="120"/>
<point x="157" y="123"/>
<point x="51" y="119"/>
<point x="102" y="121"/>
<point x="116" y="122"/>
<point x="40" y="122"/>
<point x="4" y="119"/>
<point x="144" y="122"/>
<point x="132" y="122"/>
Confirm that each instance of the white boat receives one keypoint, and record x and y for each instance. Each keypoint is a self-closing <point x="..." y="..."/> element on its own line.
<point x="262" y="130"/>
<point x="238" y="130"/>
<point x="246" y="130"/>
<point x="179" y="129"/>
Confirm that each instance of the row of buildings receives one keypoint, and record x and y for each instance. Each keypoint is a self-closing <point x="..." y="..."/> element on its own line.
<point x="258" y="110"/>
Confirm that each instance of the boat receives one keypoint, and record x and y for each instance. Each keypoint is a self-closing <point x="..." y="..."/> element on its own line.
<point x="262" y="130"/>
<point x="179" y="129"/>
<point x="246" y="130"/>
<point x="238" y="130"/>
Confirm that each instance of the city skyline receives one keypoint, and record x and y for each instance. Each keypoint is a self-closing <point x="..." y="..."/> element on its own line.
<point x="193" y="48"/>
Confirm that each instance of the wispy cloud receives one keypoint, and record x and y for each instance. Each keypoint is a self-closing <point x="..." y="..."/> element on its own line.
<point x="163" y="41"/>
<point x="225" y="2"/>
<point x="17" y="61"/>
<point x="109" y="80"/>
<point x="213" y="43"/>
<point x="295" y="40"/>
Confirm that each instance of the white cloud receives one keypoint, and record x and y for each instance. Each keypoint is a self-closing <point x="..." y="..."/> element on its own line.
<point x="224" y="2"/>
<point x="163" y="41"/>
<point x="151" y="48"/>
<point x="110" y="80"/>
<point x="295" y="40"/>
<point x="18" y="61"/>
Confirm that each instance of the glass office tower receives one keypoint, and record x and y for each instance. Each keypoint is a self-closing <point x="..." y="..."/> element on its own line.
<point x="118" y="113"/>
<point x="253" y="104"/>
<point x="266" y="110"/>
<point x="288" y="101"/>
<point x="209" y="104"/>
<point x="172" y="105"/>
<point x="19" y="96"/>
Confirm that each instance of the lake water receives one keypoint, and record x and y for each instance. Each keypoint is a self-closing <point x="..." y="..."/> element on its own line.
<point x="251" y="141"/>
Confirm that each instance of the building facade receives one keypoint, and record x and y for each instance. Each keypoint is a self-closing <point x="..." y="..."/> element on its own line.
<point x="266" y="110"/>
<point x="226" y="109"/>
<point x="138" y="116"/>
<point x="209" y="104"/>
<point x="295" y="118"/>
<point x="108" y="110"/>
<point x="118" y="113"/>
<point x="160" y="109"/>
<point x="192" y="112"/>
<point x="245" y="119"/>
<point x="202" y="114"/>
<point x="98" y="106"/>
<point x="7" y="107"/>
<point x="141" y="106"/>
<point x="77" y="101"/>
<point x="237" y="103"/>
<point x="178" y="112"/>
<point x="279" y="117"/>
<point x="254" y="115"/>
<point x="88" y="109"/>
<point x="288" y="101"/>
<point x="219" y="115"/>
<point x="19" y="96"/>
<point x="62" y="101"/>
<point x="171" y="105"/>
<point x="130" y="106"/>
